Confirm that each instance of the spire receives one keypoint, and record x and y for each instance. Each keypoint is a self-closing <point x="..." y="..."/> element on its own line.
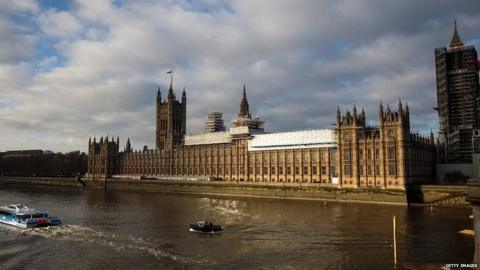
<point x="400" y="107"/>
<point x="128" y="147"/>
<point x="170" y="89"/>
<point x="456" y="41"/>
<point x="338" y="114"/>
<point x="89" y="141"/>
<point x="159" y="95"/>
<point x="244" y="111"/>
<point x="184" y="95"/>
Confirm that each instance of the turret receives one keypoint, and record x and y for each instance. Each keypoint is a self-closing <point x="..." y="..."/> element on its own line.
<point x="159" y="96"/>
<point x="380" y="113"/>
<point x="354" y="115"/>
<point x="184" y="96"/>
<point x="338" y="116"/>
<point x="128" y="146"/>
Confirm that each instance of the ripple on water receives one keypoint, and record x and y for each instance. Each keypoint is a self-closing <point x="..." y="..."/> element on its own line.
<point x="83" y="234"/>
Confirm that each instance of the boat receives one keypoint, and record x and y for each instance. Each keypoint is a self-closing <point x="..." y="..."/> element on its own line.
<point x="205" y="227"/>
<point x="22" y="216"/>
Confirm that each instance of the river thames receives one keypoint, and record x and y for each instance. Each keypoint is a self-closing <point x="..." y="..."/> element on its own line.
<point x="142" y="230"/>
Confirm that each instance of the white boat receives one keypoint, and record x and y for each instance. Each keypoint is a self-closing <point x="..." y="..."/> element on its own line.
<point x="21" y="216"/>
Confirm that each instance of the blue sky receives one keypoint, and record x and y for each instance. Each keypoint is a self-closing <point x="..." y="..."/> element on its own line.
<point x="74" y="69"/>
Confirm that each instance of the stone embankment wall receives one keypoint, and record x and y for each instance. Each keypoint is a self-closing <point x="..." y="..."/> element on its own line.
<point x="436" y="195"/>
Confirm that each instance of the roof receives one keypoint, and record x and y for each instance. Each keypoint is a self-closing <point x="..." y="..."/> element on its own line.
<point x="208" y="138"/>
<point x="456" y="41"/>
<point x="295" y="139"/>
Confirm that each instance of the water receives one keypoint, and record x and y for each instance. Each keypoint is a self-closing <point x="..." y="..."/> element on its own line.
<point x="141" y="230"/>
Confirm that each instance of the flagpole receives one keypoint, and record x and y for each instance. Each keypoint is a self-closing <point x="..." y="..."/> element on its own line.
<point x="171" y="77"/>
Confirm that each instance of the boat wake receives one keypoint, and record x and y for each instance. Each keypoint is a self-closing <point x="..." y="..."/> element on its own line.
<point x="230" y="210"/>
<point x="77" y="233"/>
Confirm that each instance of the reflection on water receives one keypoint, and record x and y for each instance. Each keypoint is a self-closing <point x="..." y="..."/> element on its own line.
<point x="138" y="230"/>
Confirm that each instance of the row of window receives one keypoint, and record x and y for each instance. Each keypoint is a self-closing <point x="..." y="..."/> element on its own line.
<point x="201" y="170"/>
<point x="391" y="154"/>
<point x="370" y="170"/>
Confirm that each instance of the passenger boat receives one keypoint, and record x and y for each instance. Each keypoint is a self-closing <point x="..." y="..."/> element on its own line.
<point x="21" y="216"/>
<point x="205" y="227"/>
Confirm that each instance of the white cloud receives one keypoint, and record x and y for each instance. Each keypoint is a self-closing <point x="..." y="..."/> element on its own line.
<point x="60" y="24"/>
<point x="298" y="60"/>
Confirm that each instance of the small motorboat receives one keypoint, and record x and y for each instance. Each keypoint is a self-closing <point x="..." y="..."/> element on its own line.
<point x="21" y="216"/>
<point x="205" y="227"/>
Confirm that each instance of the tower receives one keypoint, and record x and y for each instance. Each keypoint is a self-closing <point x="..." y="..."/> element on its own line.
<point x="458" y="93"/>
<point x="170" y="120"/>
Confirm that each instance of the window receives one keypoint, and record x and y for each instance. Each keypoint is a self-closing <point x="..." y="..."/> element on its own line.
<point x="289" y="170"/>
<point x="392" y="170"/>
<point x="250" y="170"/>
<point x="297" y="170"/>
<point x="346" y="154"/>
<point x="369" y="170"/>
<point x="377" y="170"/>
<point x="280" y="170"/>
<point x="391" y="133"/>
<point x="347" y="169"/>
<point x="369" y="154"/>
<point x="377" y="153"/>
<point x="305" y="170"/>
<point x="265" y="170"/>
<point x="314" y="170"/>
<point x="362" y="170"/>
<point x="324" y="170"/>
<point x="391" y="153"/>
<point x="272" y="170"/>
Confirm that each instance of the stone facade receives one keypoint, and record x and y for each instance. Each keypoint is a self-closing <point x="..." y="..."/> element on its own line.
<point x="387" y="156"/>
<point x="351" y="156"/>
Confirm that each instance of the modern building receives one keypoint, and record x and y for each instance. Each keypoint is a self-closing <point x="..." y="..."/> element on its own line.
<point x="353" y="155"/>
<point x="458" y="93"/>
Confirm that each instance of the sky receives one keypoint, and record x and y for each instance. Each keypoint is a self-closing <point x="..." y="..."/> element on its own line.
<point x="70" y="70"/>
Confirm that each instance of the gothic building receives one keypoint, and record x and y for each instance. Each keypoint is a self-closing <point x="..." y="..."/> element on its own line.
<point x="458" y="93"/>
<point x="353" y="155"/>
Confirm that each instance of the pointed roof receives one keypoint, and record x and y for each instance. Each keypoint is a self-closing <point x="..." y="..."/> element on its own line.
<point x="184" y="94"/>
<point x="170" y="92"/>
<point x="244" y="111"/>
<point x="456" y="41"/>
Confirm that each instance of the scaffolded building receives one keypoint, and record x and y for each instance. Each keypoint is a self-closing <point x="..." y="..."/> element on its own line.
<point x="214" y="122"/>
<point x="458" y="94"/>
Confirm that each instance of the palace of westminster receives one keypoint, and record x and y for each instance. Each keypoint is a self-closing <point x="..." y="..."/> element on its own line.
<point x="351" y="155"/>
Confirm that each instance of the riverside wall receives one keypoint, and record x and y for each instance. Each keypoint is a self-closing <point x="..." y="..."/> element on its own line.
<point x="422" y="195"/>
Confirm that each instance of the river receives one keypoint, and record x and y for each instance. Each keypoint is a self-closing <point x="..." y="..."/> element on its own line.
<point x="142" y="230"/>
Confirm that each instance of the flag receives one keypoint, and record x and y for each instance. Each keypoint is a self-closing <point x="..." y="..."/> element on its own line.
<point x="169" y="72"/>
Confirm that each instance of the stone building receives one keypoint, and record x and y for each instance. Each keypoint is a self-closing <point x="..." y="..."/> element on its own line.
<point x="352" y="156"/>
<point x="458" y="93"/>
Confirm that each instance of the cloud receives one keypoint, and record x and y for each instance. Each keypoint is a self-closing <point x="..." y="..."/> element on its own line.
<point x="60" y="24"/>
<point x="105" y="59"/>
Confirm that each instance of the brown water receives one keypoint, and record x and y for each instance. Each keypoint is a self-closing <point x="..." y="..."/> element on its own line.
<point x="140" y="230"/>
